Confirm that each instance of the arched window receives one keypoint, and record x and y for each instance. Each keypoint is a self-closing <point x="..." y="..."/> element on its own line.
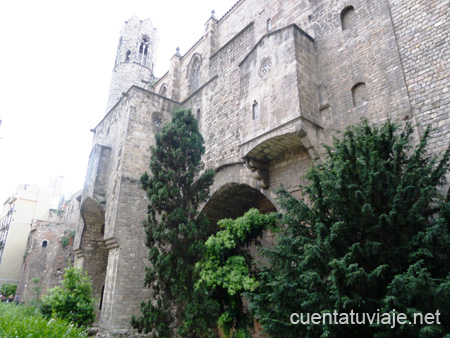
<point x="127" y="56"/>
<point x="255" y="110"/>
<point x="359" y="94"/>
<point x="143" y="51"/>
<point x="269" y="25"/>
<point x="194" y="73"/>
<point x="163" y="90"/>
<point x="44" y="244"/>
<point x="348" y="18"/>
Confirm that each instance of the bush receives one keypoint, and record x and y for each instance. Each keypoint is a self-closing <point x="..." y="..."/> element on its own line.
<point x="373" y="236"/>
<point x="21" y="321"/>
<point x="72" y="300"/>
<point x="8" y="289"/>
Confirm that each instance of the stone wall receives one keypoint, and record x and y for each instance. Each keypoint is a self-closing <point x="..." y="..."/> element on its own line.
<point x="422" y="33"/>
<point x="46" y="257"/>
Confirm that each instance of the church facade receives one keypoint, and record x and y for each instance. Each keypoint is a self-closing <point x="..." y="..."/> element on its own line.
<point x="269" y="82"/>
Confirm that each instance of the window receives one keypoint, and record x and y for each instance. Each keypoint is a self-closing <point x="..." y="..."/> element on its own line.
<point x="196" y="76"/>
<point x="194" y="73"/>
<point x="143" y="51"/>
<point x="163" y="90"/>
<point x="44" y="244"/>
<point x="127" y="57"/>
<point x="359" y="94"/>
<point x="269" y="25"/>
<point x="348" y="18"/>
<point x="102" y="229"/>
<point x="255" y="110"/>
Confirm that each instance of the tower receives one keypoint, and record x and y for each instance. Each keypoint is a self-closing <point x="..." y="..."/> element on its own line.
<point x="135" y="58"/>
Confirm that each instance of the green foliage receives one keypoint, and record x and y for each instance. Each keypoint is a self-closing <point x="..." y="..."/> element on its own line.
<point x="72" y="300"/>
<point x="227" y="270"/>
<point x="65" y="241"/>
<point x="8" y="289"/>
<point x="26" y="322"/>
<point x="374" y="234"/>
<point x="176" y="232"/>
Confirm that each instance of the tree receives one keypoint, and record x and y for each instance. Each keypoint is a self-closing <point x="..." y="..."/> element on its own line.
<point x="227" y="270"/>
<point x="72" y="301"/>
<point x="371" y="237"/>
<point x="176" y="232"/>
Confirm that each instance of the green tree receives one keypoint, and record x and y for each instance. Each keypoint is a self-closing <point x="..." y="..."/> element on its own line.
<point x="176" y="232"/>
<point x="372" y="235"/>
<point x="8" y="289"/>
<point x="72" y="300"/>
<point x="228" y="271"/>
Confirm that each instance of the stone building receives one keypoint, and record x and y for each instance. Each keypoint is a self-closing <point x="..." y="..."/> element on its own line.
<point x="269" y="82"/>
<point x="49" y="248"/>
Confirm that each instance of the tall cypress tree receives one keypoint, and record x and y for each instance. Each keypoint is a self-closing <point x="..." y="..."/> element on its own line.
<point x="371" y="236"/>
<point x="175" y="231"/>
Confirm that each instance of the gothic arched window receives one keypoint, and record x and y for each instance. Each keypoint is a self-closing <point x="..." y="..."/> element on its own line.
<point x="194" y="73"/>
<point x="143" y="51"/>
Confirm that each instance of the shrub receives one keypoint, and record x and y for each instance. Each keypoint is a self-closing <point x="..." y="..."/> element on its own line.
<point x="8" y="289"/>
<point x="22" y="321"/>
<point x="72" y="300"/>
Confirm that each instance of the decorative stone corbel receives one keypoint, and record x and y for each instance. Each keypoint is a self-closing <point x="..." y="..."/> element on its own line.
<point x="259" y="170"/>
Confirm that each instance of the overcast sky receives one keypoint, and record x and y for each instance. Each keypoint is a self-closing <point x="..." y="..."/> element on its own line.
<point x="56" y="60"/>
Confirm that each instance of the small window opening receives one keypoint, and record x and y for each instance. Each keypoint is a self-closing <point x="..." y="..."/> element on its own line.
<point x="348" y="18"/>
<point x="255" y="110"/>
<point x="359" y="94"/>
<point x="127" y="57"/>
<point x="269" y="25"/>
<point x="102" y="229"/>
<point x="198" y="114"/>
<point x="44" y="244"/>
<point x="163" y="91"/>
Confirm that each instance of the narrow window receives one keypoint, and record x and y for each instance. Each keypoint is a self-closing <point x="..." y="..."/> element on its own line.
<point x="198" y="114"/>
<point x="143" y="51"/>
<point x="102" y="229"/>
<point x="127" y="57"/>
<point x="255" y="110"/>
<point x="44" y="244"/>
<point x="195" y="75"/>
<point x="348" y="18"/>
<point x="359" y="94"/>
<point x="269" y="25"/>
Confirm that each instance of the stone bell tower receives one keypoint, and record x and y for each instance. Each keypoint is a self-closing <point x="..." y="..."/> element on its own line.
<point x="135" y="58"/>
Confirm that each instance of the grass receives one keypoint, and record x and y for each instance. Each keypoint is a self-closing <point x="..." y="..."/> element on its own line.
<point x="22" y="321"/>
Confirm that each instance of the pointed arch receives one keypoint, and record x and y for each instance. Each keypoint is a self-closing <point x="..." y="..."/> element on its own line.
<point x="194" y="72"/>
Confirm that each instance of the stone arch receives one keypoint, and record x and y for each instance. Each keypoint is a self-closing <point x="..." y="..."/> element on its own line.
<point x="233" y="199"/>
<point x="93" y="249"/>
<point x="348" y="18"/>
<point x="194" y="72"/>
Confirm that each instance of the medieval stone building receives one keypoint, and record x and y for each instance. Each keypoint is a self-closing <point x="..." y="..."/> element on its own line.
<point x="269" y="82"/>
